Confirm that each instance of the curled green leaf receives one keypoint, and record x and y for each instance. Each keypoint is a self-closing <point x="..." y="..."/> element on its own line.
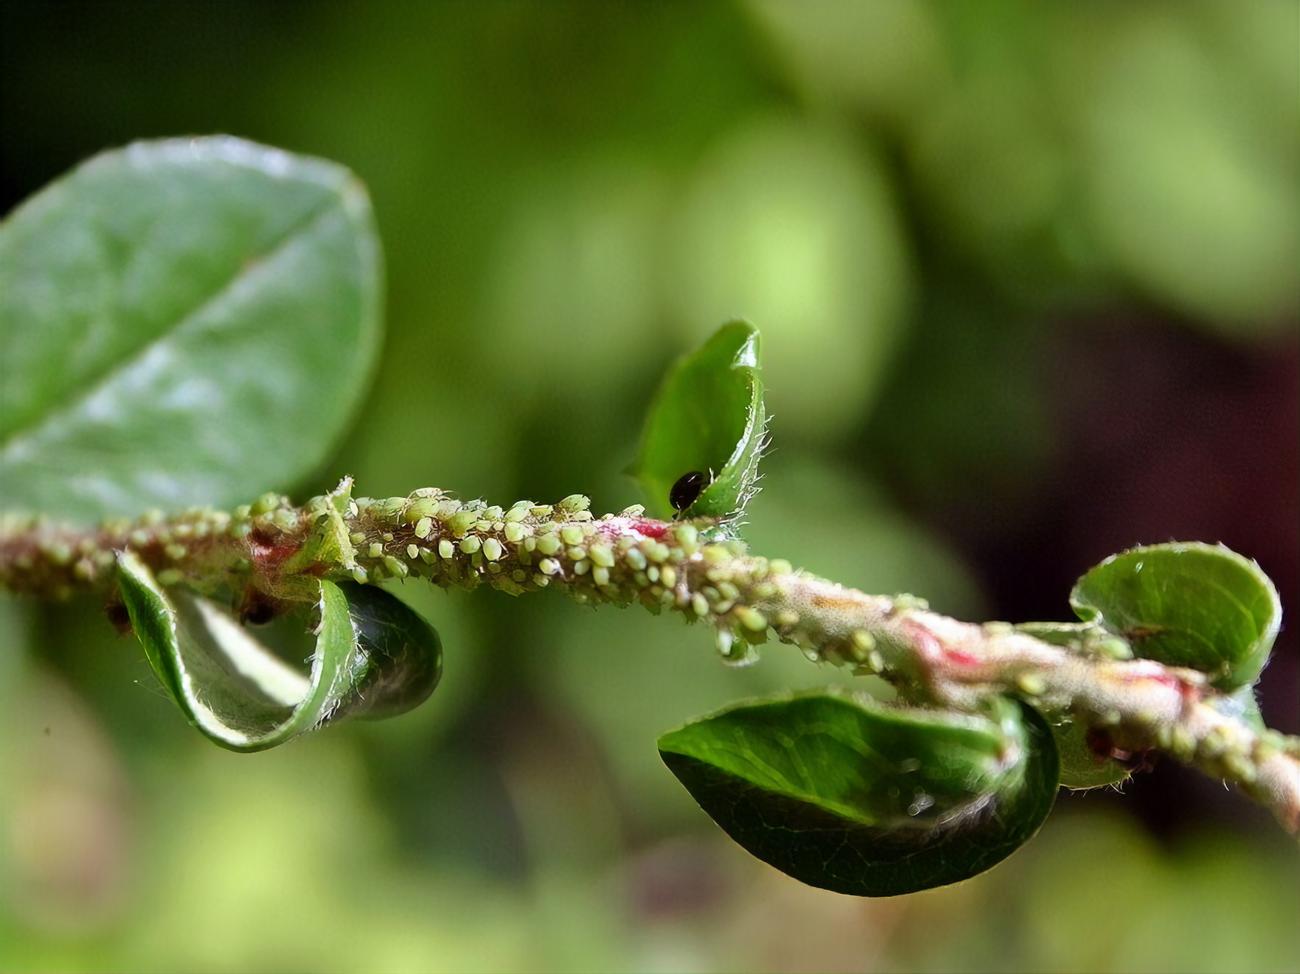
<point x="704" y="432"/>
<point x="372" y="657"/>
<point x="1186" y="604"/>
<point x="850" y="795"/>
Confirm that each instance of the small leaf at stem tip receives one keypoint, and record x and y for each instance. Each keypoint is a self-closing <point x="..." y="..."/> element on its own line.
<point x="373" y="657"/>
<point x="849" y="794"/>
<point x="703" y="436"/>
<point x="1186" y="604"/>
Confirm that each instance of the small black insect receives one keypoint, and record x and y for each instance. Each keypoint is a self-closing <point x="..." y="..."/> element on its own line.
<point x="688" y="488"/>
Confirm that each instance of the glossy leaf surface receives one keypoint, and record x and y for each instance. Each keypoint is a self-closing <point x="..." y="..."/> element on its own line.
<point x="707" y="418"/>
<point x="185" y="322"/>
<point x="847" y="794"/>
<point x="372" y="656"/>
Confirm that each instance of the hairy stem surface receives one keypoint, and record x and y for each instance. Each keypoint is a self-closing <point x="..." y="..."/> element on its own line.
<point x="269" y="553"/>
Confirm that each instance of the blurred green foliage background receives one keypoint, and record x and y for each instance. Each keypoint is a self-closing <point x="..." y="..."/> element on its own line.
<point x="1027" y="277"/>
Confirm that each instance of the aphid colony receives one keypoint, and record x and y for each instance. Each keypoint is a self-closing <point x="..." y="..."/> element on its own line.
<point x="619" y="558"/>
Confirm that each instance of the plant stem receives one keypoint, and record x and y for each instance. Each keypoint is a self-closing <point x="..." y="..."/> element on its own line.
<point x="277" y="550"/>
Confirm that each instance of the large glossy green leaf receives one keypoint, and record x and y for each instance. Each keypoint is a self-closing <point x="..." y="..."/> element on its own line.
<point x="708" y="418"/>
<point x="1186" y="604"/>
<point x="372" y="657"/>
<point x="189" y="321"/>
<point x="850" y="795"/>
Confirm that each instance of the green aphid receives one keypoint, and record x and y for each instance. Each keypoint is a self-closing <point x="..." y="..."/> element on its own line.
<point x="423" y="527"/>
<point x="389" y="507"/>
<point x="471" y="544"/>
<point x="492" y="549"/>
<point x="905" y="602"/>
<point x="461" y="522"/>
<point x="861" y="640"/>
<point x="1113" y="647"/>
<point x="1031" y="684"/>
<point x="265" y="504"/>
<point x="59" y="553"/>
<point x="574" y="503"/>
<point x="715" y="554"/>
<point x="422" y="508"/>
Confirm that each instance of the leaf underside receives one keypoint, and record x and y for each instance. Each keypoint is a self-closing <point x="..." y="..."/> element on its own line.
<point x="371" y="656"/>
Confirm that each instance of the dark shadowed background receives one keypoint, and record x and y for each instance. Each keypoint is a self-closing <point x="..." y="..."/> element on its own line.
<point x="1027" y="277"/>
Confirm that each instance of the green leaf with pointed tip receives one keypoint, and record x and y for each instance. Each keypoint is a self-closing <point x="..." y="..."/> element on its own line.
<point x="373" y="657"/>
<point x="848" y="794"/>
<point x="184" y="322"/>
<point x="1186" y="604"/>
<point x="708" y="417"/>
